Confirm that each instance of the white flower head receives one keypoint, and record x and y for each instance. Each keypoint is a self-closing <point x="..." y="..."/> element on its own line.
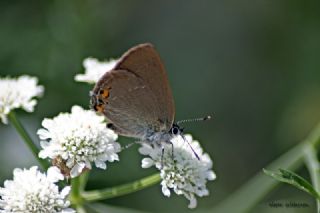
<point x="33" y="192"/>
<point x="78" y="138"/>
<point x="183" y="172"/>
<point x="18" y="93"/>
<point x="94" y="69"/>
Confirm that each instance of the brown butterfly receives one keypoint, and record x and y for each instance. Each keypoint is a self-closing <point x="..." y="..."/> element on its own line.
<point x="136" y="98"/>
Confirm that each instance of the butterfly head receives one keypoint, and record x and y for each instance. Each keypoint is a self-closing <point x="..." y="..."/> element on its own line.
<point x="176" y="130"/>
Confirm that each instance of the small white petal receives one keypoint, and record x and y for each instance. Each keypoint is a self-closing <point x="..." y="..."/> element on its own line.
<point x="193" y="203"/>
<point x="147" y="163"/>
<point x="43" y="154"/>
<point x="16" y="171"/>
<point x="28" y="106"/>
<point x="77" y="169"/>
<point x="68" y="210"/>
<point x="43" y="134"/>
<point x="4" y="118"/>
<point x="166" y="191"/>
<point x="100" y="164"/>
<point x="87" y="164"/>
<point x="44" y="144"/>
<point x="54" y="174"/>
<point x="211" y="175"/>
<point x="65" y="191"/>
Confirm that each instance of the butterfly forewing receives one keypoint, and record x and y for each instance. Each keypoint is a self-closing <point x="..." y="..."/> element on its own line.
<point x="135" y="96"/>
<point x="145" y="62"/>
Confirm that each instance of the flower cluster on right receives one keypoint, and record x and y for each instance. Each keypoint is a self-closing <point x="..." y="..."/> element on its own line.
<point x="183" y="172"/>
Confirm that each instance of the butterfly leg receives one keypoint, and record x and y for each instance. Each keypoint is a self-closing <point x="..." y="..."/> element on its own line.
<point x="172" y="149"/>
<point x="172" y="152"/>
<point x="162" y="153"/>
<point x="130" y="144"/>
<point x="194" y="152"/>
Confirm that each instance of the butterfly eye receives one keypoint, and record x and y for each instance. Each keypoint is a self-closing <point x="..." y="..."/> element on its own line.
<point x="175" y="130"/>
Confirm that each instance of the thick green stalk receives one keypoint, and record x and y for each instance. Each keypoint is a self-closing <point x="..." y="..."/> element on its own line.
<point x="83" y="181"/>
<point x="247" y="196"/>
<point x="75" y="195"/>
<point x="27" y="139"/>
<point x="313" y="166"/>
<point x="124" y="189"/>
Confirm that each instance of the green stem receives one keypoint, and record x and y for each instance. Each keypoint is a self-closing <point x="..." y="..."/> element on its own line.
<point x="247" y="196"/>
<point x="124" y="189"/>
<point x="27" y="139"/>
<point x="75" y="195"/>
<point x="83" y="180"/>
<point x="313" y="166"/>
<point x="75" y="191"/>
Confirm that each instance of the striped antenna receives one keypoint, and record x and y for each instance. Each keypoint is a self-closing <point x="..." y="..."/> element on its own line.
<point x="208" y="117"/>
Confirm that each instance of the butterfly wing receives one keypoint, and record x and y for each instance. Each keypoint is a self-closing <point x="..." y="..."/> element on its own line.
<point x="134" y="103"/>
<point x="144" y="61"/>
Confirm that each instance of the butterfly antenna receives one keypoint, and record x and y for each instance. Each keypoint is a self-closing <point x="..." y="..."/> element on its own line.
<point x="194" y="152"/>
<point x="208" y="117"/>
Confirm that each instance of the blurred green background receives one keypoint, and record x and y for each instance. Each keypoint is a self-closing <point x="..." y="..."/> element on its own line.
<point x="254" y="65"/>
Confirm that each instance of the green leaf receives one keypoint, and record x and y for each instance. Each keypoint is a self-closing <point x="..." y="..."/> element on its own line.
<point x="292" y="178"/>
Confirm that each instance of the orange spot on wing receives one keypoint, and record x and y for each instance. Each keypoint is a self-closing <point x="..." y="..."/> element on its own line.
<point x="99" y="108"/>
<point x="105" y="93"/>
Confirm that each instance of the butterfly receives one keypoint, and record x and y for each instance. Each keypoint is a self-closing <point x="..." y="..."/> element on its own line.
<point x="136" y="98"/>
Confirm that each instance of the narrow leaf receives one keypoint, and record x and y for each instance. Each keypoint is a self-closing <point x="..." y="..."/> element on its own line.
<point x="293" y="179"/>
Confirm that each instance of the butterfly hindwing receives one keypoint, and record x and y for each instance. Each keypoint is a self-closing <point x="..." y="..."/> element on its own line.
<point x="123" y="107"/>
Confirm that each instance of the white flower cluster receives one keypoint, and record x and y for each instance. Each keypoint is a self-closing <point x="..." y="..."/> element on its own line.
<point x="78" y="138"/>
<point x="94" y="69"/>
<point x="18" y="93"/>
<point x="183" y="172"/>
<point x="31" y="191"/>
